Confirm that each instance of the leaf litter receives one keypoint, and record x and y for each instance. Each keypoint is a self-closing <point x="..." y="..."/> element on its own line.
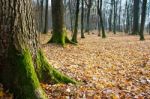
<point x="117" y="67"/>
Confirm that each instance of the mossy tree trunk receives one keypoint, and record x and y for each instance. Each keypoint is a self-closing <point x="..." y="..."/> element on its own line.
<point x="22" y="64"/>
<point x="59" y="32"/>
<point x="74" y="37"/>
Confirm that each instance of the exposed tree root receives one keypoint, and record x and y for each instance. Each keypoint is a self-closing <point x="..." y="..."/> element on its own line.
<point x="49" y="74"/>
<point x="26" y="83"/>
<point x="60" y="38"/>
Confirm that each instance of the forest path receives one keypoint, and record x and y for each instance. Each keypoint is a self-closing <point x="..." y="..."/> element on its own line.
<point x="118" y="66"/>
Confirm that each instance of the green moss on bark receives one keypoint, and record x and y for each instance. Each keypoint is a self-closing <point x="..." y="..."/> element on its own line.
<point x="60" y="38"/>
<point x="49" y="74"/>
<point x="27" y="85"/>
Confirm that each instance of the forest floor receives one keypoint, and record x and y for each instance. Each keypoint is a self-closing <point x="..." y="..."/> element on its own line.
<point x="117" y="67"/>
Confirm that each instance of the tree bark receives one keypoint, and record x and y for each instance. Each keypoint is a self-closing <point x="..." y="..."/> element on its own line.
<point x="136" y="9"/>
<point x="41" y="16"/>
<point x="82" y="20"/>
<point x="99" y="7"/>
<point x="110" y="16"/>
<point x="114" y="22"/>
<point x="46" y="18"/>
<point x="99" y="27"/>
<point x="74" y="37"/>
<point x="71" y="15"/>
<point x="89" y="5"/>
<point x="22" y="63"/>
<point x="120" y="9"/>
<point x="18" y="47"/>
<point x="143" y="19"/>
<point x="59" y="31"/>
<point x="127" y="30"/>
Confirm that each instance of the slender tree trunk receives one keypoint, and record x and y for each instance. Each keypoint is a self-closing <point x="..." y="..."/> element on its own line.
<point x="127" y="19"/>
<point x="120" y="15"/>
<point x="136" y="9"/>
<point x="59" y="31"/>
<point x="74" y="37"/>
<point x="71" y="15"/>
<point x="89" y="5"/>
<point x="99" y="7"/>
<point x="114" y="29"/>
<point x="143" y="19"/>
<point x="82" y="20"/>
<point x="149" y="28"/>
<point x="88" y="20"/>
<point x="41" y="16"/>
<point x="22" y="63"/>
<point x="46" y="18"/>
<point x="110" y="16"/>
<point x="99" y="28"/>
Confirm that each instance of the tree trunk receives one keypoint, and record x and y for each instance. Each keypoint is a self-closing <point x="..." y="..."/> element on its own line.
<point x="99" y="28"/>
<point x="82" y="20"/>
<point x="71" y="15"/>
<point x="88" y="20"/>
<point x="127" y="18"/>
<point x="22" y="63"/>
<point x="74" y="37"/>
<point x="46" y="18"/>
<point x="120" y="15"/>
<point x="59" y="31"/>
<point x="41" y="16"/>
<point x="18" y="47"/>
<point x="89" y="5"/>
<point x="143" y="19"/>
<point x="114" y="29"/>
<point x="110" y="16"/>
<point x="135" y="30"/>
<point x="99" y="7"/>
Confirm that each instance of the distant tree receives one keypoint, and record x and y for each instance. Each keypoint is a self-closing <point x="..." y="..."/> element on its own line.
<point x="59" y="31"/>
<point x="110" y="16"/>
<point x="46" y="17"/>
<point x="71" y="15"/>
<point x="114" y="20"/>
<point x="99" y="9"/>
<point x="99" y="27"/>
<point x="41" y="24"/>
<point x="136" y="11"/>
<point x="74" y="37"/>
<point x="127" y="8"/>
<point x="143" y="19"/>
<point x="82" y="19"/>
<point x="89" y="5"/>
<point x="120" y="11"/>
